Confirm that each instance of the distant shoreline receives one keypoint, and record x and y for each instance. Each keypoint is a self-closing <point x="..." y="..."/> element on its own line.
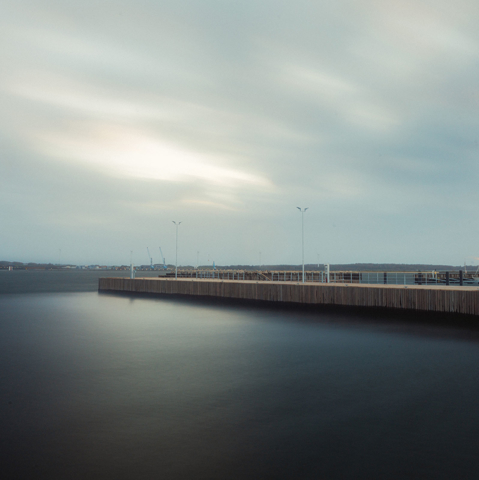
<point x="355" y="267"/>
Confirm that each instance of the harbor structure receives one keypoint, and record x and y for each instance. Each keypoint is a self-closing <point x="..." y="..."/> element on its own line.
<point x="431" y="298"/>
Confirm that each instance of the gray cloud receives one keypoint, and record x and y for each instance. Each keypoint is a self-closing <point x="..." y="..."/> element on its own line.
<point x="118" y="117"/>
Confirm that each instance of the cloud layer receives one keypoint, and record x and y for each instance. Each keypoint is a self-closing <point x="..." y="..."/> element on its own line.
<point x="119" y="117"/>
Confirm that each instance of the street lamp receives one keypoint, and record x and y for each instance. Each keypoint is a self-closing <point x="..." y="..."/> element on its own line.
<point x="176" y="261"/>
<point x="302" y="210"/>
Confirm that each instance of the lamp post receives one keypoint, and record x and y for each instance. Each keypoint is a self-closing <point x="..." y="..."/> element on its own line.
<point x="132" y="271"/>
<point x="176" y="260"/>
<point x="302" y="210"/>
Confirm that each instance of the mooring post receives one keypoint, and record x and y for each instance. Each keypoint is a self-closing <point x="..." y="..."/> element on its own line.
<point x="461" y="278"/>
<point x="447" y="278"/>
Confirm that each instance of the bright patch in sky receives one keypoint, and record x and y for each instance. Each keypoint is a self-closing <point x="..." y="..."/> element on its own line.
<point x="122" y="151"/>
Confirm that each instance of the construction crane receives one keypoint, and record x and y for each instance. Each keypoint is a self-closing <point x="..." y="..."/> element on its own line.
<point x="151" y="260"/>
<point x="164" y="261"/>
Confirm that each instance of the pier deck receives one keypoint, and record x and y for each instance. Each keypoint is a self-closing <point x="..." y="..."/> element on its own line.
<point x="432" y="298"/>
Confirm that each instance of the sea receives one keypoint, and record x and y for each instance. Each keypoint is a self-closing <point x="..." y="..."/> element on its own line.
<point x="103" y="386"/>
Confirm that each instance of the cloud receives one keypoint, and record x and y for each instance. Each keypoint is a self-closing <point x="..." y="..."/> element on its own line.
<point x="230" y="114"/>
<point x="125" y="152"/>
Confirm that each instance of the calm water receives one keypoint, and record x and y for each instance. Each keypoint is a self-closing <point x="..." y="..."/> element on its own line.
<point x="107" y="387"/>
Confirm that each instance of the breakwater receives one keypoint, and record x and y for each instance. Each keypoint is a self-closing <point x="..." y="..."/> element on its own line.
<point x="435" y="298"/>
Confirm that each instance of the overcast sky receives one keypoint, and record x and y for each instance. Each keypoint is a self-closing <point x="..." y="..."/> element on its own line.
<point x="118" y="117"/>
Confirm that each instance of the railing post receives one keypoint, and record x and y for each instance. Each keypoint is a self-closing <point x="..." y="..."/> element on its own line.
<point x="447" y="278"/>
<point x="461" y="278"/>
<point x="385" y="278"/>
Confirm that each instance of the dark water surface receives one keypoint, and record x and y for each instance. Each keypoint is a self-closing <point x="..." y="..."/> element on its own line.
<point x="42" y="281"/>
<point x="107" y="387"/>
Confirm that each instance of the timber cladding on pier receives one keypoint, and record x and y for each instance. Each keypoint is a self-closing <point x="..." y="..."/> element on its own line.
<point x="464" y="300"/>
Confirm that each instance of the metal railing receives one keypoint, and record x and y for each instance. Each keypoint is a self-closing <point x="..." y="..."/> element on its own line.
<point x="346" y="277"/>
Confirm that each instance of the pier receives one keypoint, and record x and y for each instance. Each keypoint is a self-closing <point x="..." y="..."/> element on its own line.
<point x="430" y="298"/>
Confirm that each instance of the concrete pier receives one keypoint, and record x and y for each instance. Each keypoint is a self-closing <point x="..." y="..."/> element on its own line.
<point x="435" y="298"/>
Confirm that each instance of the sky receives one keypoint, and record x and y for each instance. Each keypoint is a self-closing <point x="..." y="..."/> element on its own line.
<point x="119" y="117"/>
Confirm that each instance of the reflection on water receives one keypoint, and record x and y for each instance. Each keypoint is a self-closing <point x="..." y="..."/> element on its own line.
<point x="99" y="386"/>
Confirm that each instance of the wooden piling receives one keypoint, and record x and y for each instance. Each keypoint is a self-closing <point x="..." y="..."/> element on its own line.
<point x="432" y="298"/>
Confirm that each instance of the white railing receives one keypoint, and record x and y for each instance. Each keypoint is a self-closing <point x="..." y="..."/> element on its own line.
<point x="373" y="278"/>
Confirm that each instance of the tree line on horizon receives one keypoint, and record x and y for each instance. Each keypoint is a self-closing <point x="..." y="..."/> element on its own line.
<point x="355" y="267"/>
